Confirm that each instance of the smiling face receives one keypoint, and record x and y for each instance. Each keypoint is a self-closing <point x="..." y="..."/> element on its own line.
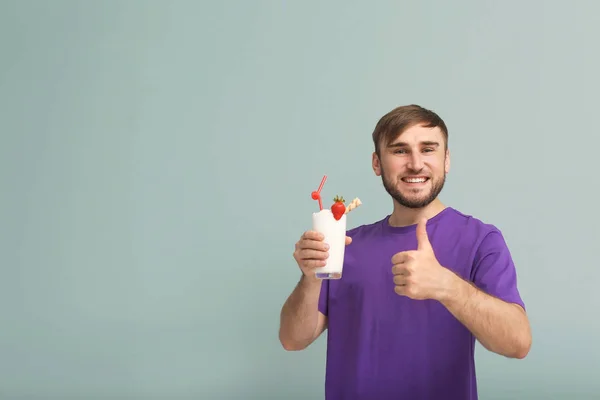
<point x="413" y="167"/>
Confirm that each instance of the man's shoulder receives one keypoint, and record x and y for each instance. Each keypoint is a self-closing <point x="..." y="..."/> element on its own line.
<point x="451" y="220"/>
<point x="367" y="229"/>
<point x="479" y="233"/>
<point x="469" y="222"/>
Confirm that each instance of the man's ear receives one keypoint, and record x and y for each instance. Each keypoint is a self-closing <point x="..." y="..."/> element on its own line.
<point x="447" y="162"/>
<point x="376" y="163"/>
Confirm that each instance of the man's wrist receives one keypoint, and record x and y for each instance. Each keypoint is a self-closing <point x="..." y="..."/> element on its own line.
<point x="309" y="282"/>
<point x="456" y="290"/>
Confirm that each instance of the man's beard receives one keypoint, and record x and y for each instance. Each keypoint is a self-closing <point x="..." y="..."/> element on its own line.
<point x="392" y="189"/>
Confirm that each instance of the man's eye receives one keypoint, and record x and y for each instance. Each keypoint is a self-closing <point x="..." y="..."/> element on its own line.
<point x="428" y="149"/>
<point x="400" y="151"/>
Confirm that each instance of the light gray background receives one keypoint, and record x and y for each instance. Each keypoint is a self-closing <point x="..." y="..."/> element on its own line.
<point x="156" y="162"/>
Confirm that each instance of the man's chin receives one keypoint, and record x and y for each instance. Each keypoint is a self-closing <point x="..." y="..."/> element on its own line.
<point x="413" y="204"/>
<point x="415" y="195"/>
<point x="413" y="200"/>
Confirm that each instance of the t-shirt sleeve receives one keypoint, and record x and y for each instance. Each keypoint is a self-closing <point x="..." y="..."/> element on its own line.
<point x="324" y="297"/>
<point x="494" y="271"/>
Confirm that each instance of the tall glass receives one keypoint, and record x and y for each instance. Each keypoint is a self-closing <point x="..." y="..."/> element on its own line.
<point x="335" y="236"/>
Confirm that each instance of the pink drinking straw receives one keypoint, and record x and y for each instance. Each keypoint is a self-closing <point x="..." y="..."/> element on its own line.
<point x="316" y="195"/>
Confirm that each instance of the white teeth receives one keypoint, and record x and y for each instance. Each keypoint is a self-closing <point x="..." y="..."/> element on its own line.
<point x="415" y="180"/>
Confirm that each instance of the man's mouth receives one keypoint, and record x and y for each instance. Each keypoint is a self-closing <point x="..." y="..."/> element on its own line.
<point x="415" y="179"/>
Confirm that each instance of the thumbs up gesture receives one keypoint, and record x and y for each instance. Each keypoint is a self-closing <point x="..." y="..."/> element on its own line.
<point x="417" y="273"/>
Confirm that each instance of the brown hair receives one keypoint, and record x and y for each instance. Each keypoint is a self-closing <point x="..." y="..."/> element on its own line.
<point x="395" y="122"/>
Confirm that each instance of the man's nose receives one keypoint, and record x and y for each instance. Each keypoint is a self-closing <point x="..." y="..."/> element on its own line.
<point x="416" y="162"/>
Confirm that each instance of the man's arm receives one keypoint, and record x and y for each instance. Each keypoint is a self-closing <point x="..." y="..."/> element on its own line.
<point x="490" y="307"/>
<point x="499" y="326"/>
<point x="301" y="322"/>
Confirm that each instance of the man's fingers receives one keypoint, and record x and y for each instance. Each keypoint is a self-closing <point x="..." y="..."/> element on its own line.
<point x="400" y="280"/>
<point x="312" y="235"/>
<point x="402" y="257"/>
<point x="313" y="245"/>
<point x="404" y="290"/>
<point x="308" y="254"/>
<point x="401" y="269"/>
<point x="422" y="237"/>
<point x="313" y="263"/>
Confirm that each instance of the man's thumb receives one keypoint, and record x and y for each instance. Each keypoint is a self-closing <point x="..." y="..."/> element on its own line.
<point x="422" y="238"/>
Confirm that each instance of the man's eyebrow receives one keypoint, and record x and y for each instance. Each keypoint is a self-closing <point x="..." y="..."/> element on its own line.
<point x="404" y="144"/>
<point x="430" y="143"/>
<point x="398" y="144"/>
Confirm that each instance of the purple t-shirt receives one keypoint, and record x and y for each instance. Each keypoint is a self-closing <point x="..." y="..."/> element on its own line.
<point x="381" y="345"/>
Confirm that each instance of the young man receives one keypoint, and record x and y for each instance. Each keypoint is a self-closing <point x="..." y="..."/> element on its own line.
<point x="419" y="286"/>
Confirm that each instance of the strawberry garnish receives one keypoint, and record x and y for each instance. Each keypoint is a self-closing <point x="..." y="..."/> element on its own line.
<point x="338" y="208"/>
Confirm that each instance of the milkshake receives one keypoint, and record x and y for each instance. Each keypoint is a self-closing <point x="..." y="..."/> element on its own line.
<point x="335" y="236"/>
<point x="331" y="222"/>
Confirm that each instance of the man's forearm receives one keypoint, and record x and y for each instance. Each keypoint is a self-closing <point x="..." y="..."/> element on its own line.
<point x="299" y="315"/>
<point x="499" y="326"/>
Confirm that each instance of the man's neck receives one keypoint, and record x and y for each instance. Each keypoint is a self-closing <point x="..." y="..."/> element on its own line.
<point x="404" y="216"/>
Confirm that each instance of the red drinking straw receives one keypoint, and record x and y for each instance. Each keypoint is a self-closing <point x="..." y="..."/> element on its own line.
<point x="316" y="195"/>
